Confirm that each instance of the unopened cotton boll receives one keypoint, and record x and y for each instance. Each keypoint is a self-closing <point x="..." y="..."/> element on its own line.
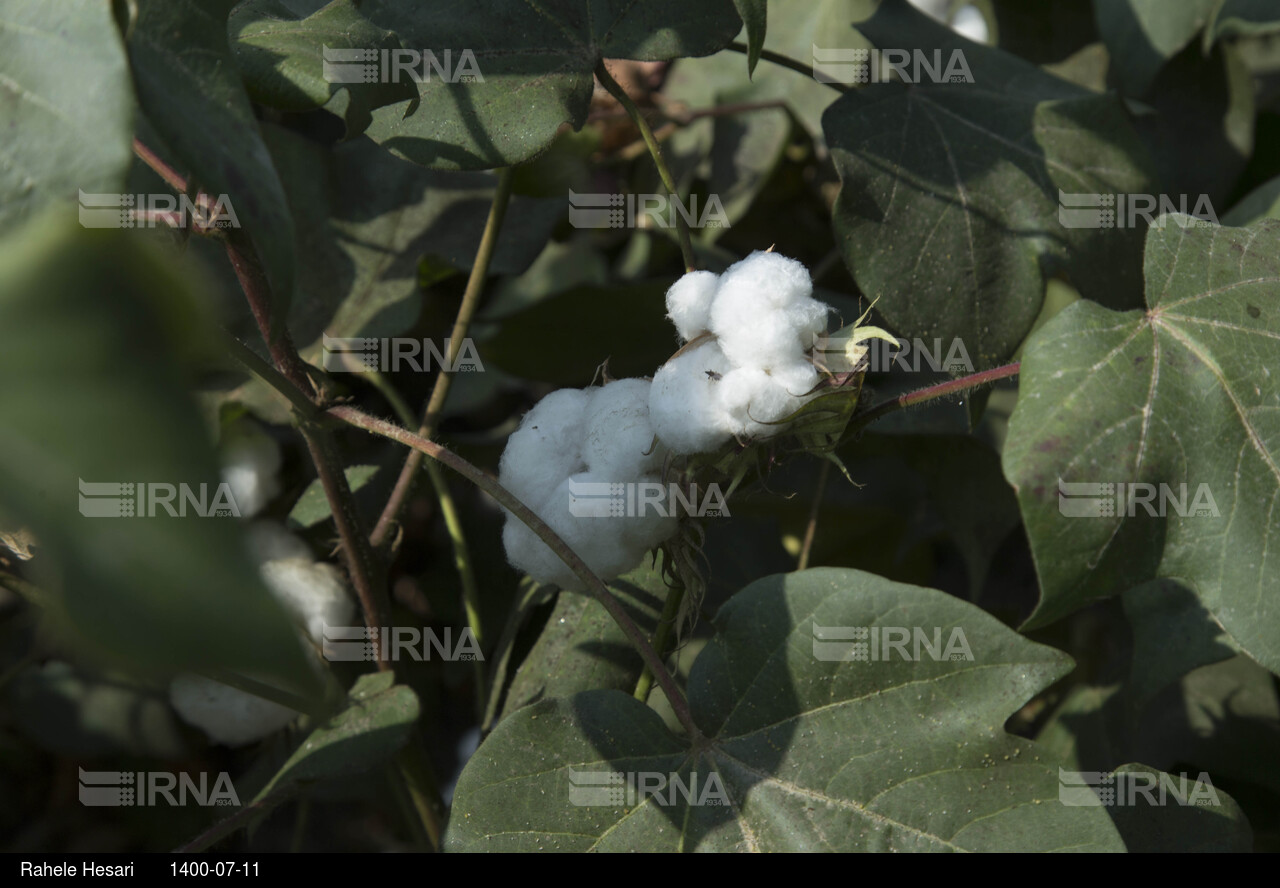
<point x="619" y="442"/>
<point x="684" y="400"/>
<point x="227" y="715"/>
<point x="546" y="448"/>
<point x="689" y="303"/>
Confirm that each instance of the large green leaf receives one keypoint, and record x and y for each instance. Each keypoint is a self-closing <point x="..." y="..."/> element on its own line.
<point x="530" y="68"/>
<point x="811" y="754"/>
<point x="366" y="218"/>
<point x="742" y="150"/>
<point x="190" y="90"/>
<point x="1182" y="393"/>
<point x="95" y="333"/>
<point x="63" y="74"/>
<point x="582" y="647"/>
<point x="1142" y="35"/>
<point x="280" y="46"/>
<point x="949" y="205"/>
<point x="376" y="722"/>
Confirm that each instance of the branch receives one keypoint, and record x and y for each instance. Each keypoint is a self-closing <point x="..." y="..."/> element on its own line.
<point x="505" y="498"/>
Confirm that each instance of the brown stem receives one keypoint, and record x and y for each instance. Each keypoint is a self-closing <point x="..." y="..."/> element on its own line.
<point x="941" y="390"/>
<point x="505" y="498"/>
<point x="440" y="392"/>
<point x="329" y="466"/>
<point x="162" y="169"/>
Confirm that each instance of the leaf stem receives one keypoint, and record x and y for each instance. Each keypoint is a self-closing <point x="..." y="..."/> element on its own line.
<point x="440" y="391"/>
<point x="505" y="498"/>
<point x="655" y="150"/>
<point x="661" y="636"/>
<point x="933" y="392"/>
<point x="787" y="62"/>
<point x="811" y="528"/>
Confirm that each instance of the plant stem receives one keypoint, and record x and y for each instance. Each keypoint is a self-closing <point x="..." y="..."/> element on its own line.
<point x="811" y="529"/>
<point x="420" y="781"/>
<point x="324" y="452"/>
<point x="661" y="636"/>
<point x="941" y="390"/>
<point x="788" y="62"/>
<point x="505" y="498"/>
<point x="682" y="225"/>
<point x="171" y="176"/>
<point x="461" y="324"/>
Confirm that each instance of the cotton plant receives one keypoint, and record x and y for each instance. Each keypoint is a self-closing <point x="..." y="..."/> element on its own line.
<point x="313" y="593"/>
<point x="745" y="373"/>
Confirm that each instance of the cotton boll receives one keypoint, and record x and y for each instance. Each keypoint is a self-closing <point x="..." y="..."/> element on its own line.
<point x="250" y="463"/>
<point x="529" y="554"/>
<point x="229" y="716"/>
<point x="619" y="442"/>
<point x="753" y="331"/>
<point x="782" y="279"/>
<point x="689" y="303"/>
<point x="269" y="541"/>
<point x="546" y="448"/>
<point x="314" y="593"/>
<point x="684" y="404"/>
<point x="755" y="399"/>
<point x="969" y="22"/>
<point x="648" y="528"/>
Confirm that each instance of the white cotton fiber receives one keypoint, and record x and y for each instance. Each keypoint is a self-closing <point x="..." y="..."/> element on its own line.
<point x="619" y="441"/>
<point x="684" y="403"/>
<point x="250" y="464"/>
<point x="546" y="448"/>
<point x="269" y="541"/>
<point x="313" y="592"/>
<point x="764" y="314"/>
<point x="228" y="715"/>
<point x="689" y="303"/>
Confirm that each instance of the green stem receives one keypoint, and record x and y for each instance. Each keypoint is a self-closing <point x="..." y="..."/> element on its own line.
<point x="420" y="781"/>
<point x="933" y="392"/>
<point x="787" y="62"/>
<point x="534" y="595"/>
<point x="440" y="392"/>
<point x="655" y="150"/>
<point x="661" y="637"/>
<point x="811" y="529"/>
<point x="505" y="498"/>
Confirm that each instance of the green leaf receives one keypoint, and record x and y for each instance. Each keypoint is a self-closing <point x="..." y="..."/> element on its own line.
<point x="97" y="336"/>
<point x="516" y="71"/>
<point x="810" y="754"/>
<point x="949" y="204"/>
<point x="755" y="15"/>
<point x="1181" y="393"/>
<point x="582" y="648"/>
<point x="1142" y="35"/>
<point x="1261" y="203"/>
<point x="190" y="90"/>
<point x="376" y="723"/>
<point x="280" y="47"/>
<point x="1177" y="827"/>
<point x="1172" y="635"/>
<point x="1243" y="18"/>
<point x="564" y="338"/>
<point x="313" y="506"/>
<point x="365" y="219"/>
<point x="63" y="75"/>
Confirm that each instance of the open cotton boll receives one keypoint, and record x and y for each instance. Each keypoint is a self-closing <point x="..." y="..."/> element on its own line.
<point x="619" y="442"/>
<point x="764" y="314"/>
<point x="531" y="555"/>
<point x="689" y="303"/>
<point x="684" y="402"/>
<point x="250" y="464"/>
<point x="269" y="541"/>
<point x="546" y="448"/>
<point x="313" y="592"/>
<point x="754" y="399"/>
<point x="227" y="715"/>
